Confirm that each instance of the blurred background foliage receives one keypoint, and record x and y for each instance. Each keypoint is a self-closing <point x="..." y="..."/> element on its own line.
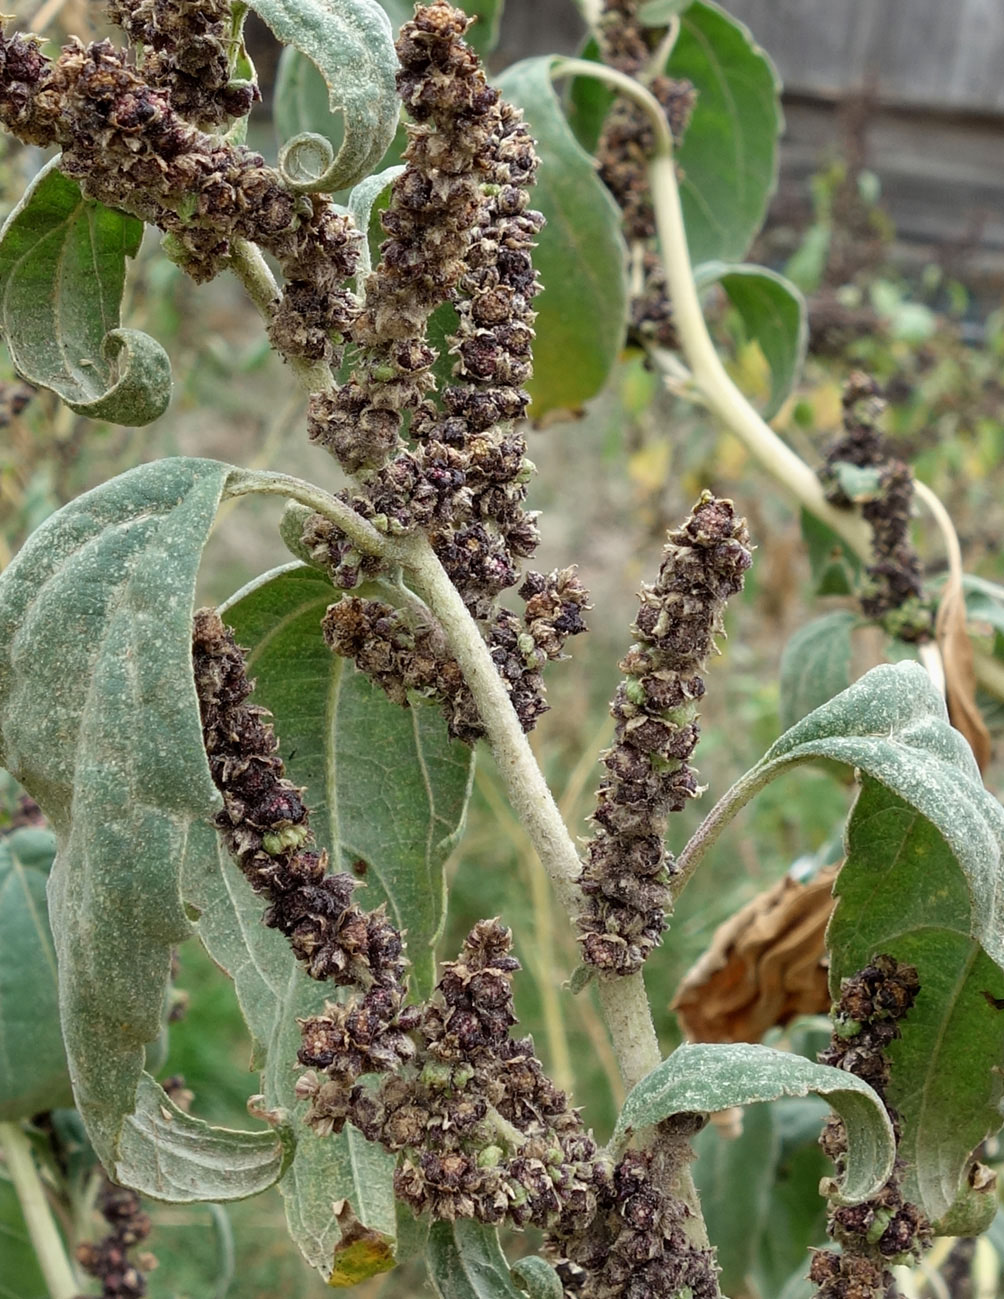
<point x="611" y="480"/>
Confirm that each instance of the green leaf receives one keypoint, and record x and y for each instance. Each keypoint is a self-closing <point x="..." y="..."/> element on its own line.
<point x="701" y="1077"/>
<point x="22" y="1277"/>
<point x="908" y="890"/>
<point x="659" y="13"/>
<point x="33" y="1073"/>
<point x="734" y="1177"/>
<point x="922" y="883"/>
<point x="354" y="751"/>
<point x="62" y="272"/>
<point x="796" y="1213"/>
<point x="99" y="721"/>
<point x="465" y="1261"/>
<point x="773" y="314"/>
<point x="834" y="567"/>
<point x="580" y="255"/>
<point x="728" y="158"/>
<point x="537" y="1278"/>
<point x="350" y="43"/>
<point x="816" y="664"/>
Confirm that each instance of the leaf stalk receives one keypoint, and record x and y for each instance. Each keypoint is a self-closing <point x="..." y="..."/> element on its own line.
<point x="42" y="1229"/>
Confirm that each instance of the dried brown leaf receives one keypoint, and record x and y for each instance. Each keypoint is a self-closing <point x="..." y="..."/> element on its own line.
<point x="960" y="678"/>
<point x="765" y="965"/>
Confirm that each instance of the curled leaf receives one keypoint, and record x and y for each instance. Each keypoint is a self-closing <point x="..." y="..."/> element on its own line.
<point x="351" y="44"/>
<point x="960" y="677"/>
<point x="62" y="272"/>
<point x="702" y="1077"/>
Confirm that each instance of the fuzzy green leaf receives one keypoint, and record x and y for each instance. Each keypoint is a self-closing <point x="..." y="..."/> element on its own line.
<point x="816" y="664"/>
<point x="922" y="883"/>
<point x="728" y="158"/>
<point x="33" y="1073"/>
<point x="907" y="890"/>
<point x="387" y="792"/>
<point x="99" y="721"/>
<point x="350" y="43"/>
<point x="773" y="314"/>
<point x="580" y="256"/>
<point x="537" y="1278"/>
<point x="465" y="1261"/>
<point x="658" y="13"/>
<point x="62" y="272"/>
<point x="701" y="1077"/>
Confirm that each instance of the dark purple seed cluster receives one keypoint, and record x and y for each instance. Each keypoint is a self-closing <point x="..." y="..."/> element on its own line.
<point x="433" y="208"/>
<point x="109" y="1259"/>
<point x="887" y="1229"/>
<point x="186" y="52"/>
<point x="126" y="144"/>
<point x="404" y="653"/>
<point x="265" y="827"/>
<point x="482" y="1131"/>
<point x="648" y="776"/>
<point x="894" y="587"/>
<point x="624" y="149"/>
<point x="636" y="1246"/>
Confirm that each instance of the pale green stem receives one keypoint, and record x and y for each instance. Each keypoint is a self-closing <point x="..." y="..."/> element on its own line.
<point x="625" y="1005"/>
<point x="249" y="265"/>
<point x="263" y="482"/>
<point x="706" y="834"/>
<point x="719" y="393"/>
<point x="714" y="387"/>
<point x="42" y="1229"/>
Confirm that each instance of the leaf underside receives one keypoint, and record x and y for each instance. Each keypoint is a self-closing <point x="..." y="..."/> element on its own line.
<point x="62" y="273"/>
<point x="350" y="44"/>
<point x="100" y="722"/>
<point x="704" y="1077"/>
<point x="387" y="792"/>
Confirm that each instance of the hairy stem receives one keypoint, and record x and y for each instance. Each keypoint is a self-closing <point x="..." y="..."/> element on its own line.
<point x="247" y="482"/>
<point x="42" y="1230"/>
<point x="249" y="265"/>
<point x="624" y="1002"/>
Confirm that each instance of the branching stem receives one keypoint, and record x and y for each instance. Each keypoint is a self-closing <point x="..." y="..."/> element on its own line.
<point x="249" y="265"/>
<point x="42" y="1230"/>
<point x="247" y="482"/>
<point x="625" y="1005"/>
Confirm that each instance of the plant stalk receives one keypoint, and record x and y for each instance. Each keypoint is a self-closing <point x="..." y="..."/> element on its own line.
<point x="42" y="1229"/>
<point x="249" y="265"/>
<point x="625" y="1005"/>
<point x="246" y="482"/>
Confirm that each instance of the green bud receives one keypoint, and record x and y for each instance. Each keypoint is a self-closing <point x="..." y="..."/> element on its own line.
<point x="384" y="373"/>
<point x="635" y="691"/>
<point x="876" y="1231"/>
<point x="490" y="1156"/>
<point x="276" y="842"/>
<point x="437" y="1076"/>
<point x="845" y="1028"/>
